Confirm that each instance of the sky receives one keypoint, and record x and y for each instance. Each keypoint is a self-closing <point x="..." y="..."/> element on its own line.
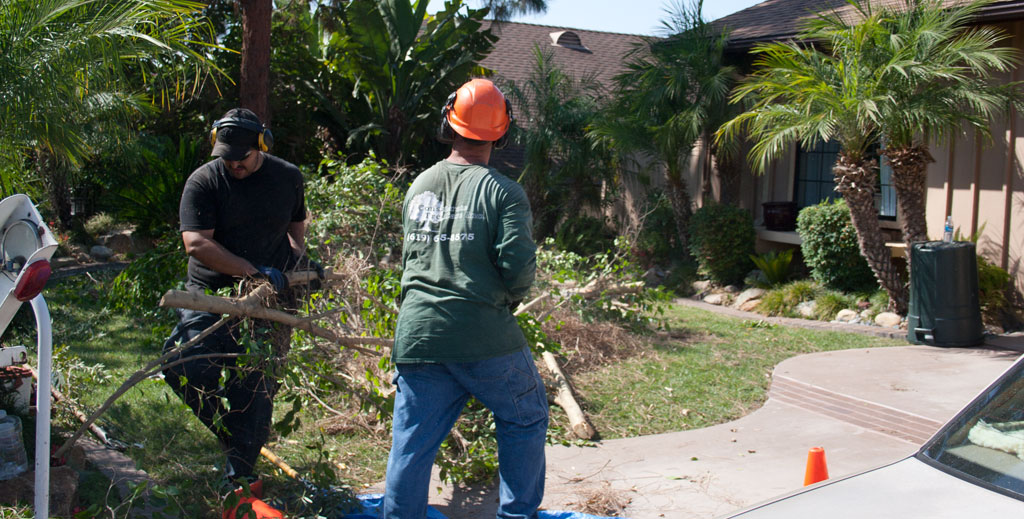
<point x="630" y="16"/>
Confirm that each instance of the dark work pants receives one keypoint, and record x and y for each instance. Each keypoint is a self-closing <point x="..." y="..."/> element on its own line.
<point x="244" y="425"/>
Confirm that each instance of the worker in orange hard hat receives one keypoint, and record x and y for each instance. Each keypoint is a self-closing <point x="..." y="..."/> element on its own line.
<point x="468" y="260"/>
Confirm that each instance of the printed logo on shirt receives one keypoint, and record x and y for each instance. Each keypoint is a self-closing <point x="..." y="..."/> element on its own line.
<point x="426" y="208"/>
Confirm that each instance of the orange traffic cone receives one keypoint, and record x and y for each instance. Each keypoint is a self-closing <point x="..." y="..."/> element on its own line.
<point x="817" y="470"/>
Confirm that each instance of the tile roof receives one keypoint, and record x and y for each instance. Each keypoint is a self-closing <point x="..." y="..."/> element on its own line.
<point x="512" y="57"/>
<point x="781" y="19"/>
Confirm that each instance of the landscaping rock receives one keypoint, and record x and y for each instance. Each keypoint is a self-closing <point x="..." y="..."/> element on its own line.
<point x="701" y="286"/>
<point x="846" y="315"/>
<point x="732" y="289"/>
<point x="747" y="295"/>
<point x="807" y="308"/>
<point x="63" y="490"/>
<point x="865" y="315"/>
<point x="888" y="320"/>
<point x="120" y="242"/>
<point x="750" y="306"/>
<point x="716" y="299"/>
<point x="101" y="253"/>
<point x="654" y="276"/>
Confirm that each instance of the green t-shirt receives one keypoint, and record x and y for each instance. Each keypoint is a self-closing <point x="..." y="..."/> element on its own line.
<point x="468" y="253"/>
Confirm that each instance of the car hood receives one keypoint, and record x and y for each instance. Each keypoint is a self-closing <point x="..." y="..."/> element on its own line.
<point x="906" y="489"/>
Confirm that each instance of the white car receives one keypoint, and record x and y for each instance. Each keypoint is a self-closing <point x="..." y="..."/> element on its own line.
<point x="972" y="467"/>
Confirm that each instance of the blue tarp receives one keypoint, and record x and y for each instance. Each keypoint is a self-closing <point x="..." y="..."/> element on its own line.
<point x="372" y="502"/>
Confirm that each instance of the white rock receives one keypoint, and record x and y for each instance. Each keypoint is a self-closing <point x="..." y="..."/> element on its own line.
<point x="888" y="319"/>
<point x="747" y="295"/>
<point x="732" y="289"/>
<point x="807" y="308"/>
<point x="846" y="315"/>
<point x="750" y="305"/>
<point x="716" y="299"/>
<point x="701" y="286"/>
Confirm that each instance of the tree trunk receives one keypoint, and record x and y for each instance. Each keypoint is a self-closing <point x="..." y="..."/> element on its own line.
<point x="58" y="190"/>
<point x="254" y="77"/>
<point x="679" y="196"/>
<point x="855" y="180"/>
<point x="909" y="181"/>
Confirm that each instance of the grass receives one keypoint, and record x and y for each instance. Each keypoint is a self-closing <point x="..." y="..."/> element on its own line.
<point x="707" y="369"/>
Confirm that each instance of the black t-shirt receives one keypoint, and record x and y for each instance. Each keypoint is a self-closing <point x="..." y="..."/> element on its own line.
<point x="249" y="217"/>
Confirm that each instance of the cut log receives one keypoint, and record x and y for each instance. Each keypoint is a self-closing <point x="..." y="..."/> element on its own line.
<point x="242" y="308"/>
<point x="565" y="399"/>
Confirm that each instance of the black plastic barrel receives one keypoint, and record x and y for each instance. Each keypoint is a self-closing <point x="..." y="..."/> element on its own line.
<point x="944" y="309"/>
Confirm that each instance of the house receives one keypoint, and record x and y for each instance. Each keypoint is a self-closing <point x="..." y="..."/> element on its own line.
<point x="577" y="52"/>
<point x="979" y="183"/>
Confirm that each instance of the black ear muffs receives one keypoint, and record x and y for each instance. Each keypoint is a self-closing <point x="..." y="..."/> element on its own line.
<point x="503" y="140"/>
<point x="266" y="139"/>
<point x="446" y="133"/>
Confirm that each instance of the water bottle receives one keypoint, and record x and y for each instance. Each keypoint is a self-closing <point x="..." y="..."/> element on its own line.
<point x="947" y="232"/>
<point x="13" y="460"/>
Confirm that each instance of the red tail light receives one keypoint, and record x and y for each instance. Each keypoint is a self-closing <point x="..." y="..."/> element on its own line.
<point x="32" y="280"/>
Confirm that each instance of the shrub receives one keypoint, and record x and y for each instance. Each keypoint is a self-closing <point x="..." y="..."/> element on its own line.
<point x="774" y="266"/>
<point x="658" y="241"/>
<point x="355" y="208"/>
<point x="99" y="224"/>
<point x="584" y="235"/>
<point x="783" y="300"/>
<point x="829" y="303"/>
<point x="722" y="240"/>
<point x="138" y="288"/>
<point x="830" y="248"/>
<point x="992" y="284"/>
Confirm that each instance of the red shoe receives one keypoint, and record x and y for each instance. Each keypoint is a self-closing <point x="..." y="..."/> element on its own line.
<point x="260" y="510"/>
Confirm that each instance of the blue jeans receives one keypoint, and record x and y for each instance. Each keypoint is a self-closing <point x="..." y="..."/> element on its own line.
<point x="429" y="400"/>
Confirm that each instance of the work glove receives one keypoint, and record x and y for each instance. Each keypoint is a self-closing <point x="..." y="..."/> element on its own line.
<point x="275" y="277"/>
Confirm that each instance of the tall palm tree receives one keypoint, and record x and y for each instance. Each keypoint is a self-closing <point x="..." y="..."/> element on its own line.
<point x="553" y="111"/>
<point x="831" y="89"/>
<point x="944" y="84"/>
<point x="669" y="97"/>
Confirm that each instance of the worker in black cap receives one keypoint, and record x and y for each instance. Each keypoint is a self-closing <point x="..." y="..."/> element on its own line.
<point x="243" y="215"/>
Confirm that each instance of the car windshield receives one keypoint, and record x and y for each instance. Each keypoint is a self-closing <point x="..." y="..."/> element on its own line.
<point x="985" y="443"/>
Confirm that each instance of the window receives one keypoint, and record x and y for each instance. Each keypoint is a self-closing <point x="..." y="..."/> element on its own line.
<point x="815" y="182"/>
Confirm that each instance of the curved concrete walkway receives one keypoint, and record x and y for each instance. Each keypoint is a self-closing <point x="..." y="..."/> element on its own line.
<point x="866" y="407"/>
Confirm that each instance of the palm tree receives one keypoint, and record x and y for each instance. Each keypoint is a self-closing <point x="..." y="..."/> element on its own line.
<point x="671" y="95"/>
<point x="553" y="111"/>
<point x="67" y="74"/>
<point x="944" y="84"/>
<point x="803" y="93"/>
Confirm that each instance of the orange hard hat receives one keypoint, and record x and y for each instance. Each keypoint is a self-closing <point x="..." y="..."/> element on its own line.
<point x="479" y="111"/>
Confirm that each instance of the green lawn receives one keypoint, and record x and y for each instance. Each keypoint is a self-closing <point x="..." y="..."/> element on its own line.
<point x="707" y="369"/>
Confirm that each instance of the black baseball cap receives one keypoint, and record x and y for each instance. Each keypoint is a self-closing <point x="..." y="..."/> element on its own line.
<point x="237" y="134"/>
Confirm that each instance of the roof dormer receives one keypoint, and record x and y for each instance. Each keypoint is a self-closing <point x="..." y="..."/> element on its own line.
<point x="569" y="40"/>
